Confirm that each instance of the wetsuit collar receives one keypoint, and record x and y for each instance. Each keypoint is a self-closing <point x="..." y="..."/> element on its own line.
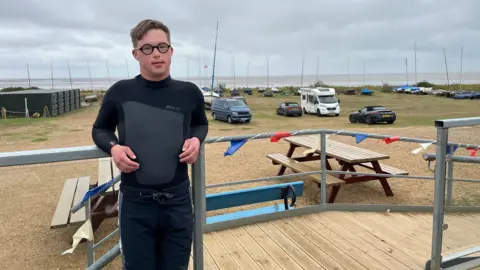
<point x="154" y="84"/>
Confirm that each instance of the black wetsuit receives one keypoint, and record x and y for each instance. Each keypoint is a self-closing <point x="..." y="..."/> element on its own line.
<point x="155" y="210"/>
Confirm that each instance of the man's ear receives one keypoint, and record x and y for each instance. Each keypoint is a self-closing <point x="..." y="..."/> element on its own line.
<point x="135" y="54"/>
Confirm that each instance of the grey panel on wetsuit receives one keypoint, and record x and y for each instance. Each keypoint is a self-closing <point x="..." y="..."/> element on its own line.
<point x="156" y="137"/>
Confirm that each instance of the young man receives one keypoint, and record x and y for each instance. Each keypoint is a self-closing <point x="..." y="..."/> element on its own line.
<point x="161" y="124"/>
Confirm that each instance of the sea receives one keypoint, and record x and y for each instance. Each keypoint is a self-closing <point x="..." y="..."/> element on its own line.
<point x="394" y="79"/>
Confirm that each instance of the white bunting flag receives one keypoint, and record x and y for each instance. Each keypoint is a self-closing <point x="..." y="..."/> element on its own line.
<point x="423" y="147"/>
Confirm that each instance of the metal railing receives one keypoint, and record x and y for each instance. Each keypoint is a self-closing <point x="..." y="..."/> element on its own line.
<point x="443" y="162"/>
<point x="199" y="185"/>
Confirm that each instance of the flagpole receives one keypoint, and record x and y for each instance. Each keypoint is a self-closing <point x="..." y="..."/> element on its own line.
<point x="446" y="67"/>
<point x="214" y="57"/>
<point x="28" y="74"/>
<point x="406" y="69"/>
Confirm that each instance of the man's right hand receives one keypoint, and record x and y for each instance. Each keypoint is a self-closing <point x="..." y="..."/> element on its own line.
<point x="122" y="156"/>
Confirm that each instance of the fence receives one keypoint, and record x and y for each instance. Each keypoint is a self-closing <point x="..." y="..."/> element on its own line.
<point x="199" y="185"/>
<point x="445" y="160"/>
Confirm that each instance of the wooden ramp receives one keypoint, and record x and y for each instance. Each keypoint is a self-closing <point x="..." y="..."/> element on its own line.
<point x="337" y="240"/>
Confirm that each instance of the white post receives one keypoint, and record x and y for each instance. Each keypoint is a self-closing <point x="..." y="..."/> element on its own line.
<point x="27" y="115"/>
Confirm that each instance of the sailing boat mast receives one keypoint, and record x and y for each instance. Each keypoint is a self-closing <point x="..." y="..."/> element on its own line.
<point x="214" y="57"/>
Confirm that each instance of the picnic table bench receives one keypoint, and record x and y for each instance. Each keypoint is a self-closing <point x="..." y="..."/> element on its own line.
<point x="74" y="190"/>
<point x="346" y="155"/>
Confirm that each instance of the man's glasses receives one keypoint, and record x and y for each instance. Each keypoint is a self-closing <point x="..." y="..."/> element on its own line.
<point x="147" y="49"/>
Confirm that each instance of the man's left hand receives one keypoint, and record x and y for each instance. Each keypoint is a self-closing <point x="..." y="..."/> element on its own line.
<point x="190" y="150"/>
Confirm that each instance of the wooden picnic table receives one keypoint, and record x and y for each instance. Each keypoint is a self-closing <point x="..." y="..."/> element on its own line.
<point x="347" y="156"/>
<point x="101" y="208"/>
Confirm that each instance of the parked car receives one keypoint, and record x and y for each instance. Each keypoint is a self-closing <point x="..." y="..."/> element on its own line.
<point x="231" y="109"/>
<point x="268" y="93"/>
<point x="247" y="91"/>
<point x="289" y="108"/>
<point x="467" y="95"/>
<point x="372" y="115"/>
<point x="234" y="93"/>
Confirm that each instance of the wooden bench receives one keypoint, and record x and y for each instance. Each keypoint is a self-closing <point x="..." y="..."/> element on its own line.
<point x="386" y="169"/>
<point x="106" y="171"/>
<point x="247" y="196"/>
<point x="73" y="191"/>
<point x="299" y="167"/>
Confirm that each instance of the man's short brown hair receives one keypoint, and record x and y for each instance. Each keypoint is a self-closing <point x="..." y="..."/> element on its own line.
<point x="144" y="26"/>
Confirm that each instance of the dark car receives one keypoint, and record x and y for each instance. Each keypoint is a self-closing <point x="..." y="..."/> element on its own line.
<point x="247" y="91"/>
<point x="234" y="93"/>
<point x="231" y="110"/>
<point x="373" y="114"/>
<point x="268" y="93"/>
<point x="289" y="108"/>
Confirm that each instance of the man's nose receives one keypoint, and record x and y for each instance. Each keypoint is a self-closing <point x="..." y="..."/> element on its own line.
<point x="156" y="52"/>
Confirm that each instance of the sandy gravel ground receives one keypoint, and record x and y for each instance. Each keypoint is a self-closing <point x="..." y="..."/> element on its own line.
<point x="29" y="194"/>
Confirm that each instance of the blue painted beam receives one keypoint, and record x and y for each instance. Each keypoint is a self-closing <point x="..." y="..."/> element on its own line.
<point x="247" y="213"/>
<point x="250" y="196"/>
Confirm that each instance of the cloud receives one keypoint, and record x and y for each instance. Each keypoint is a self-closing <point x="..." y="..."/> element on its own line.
<point x="376" y="34"/>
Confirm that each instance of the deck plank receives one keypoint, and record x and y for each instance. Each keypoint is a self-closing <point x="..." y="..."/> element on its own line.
<point x="190" y="263"/>
<point x="337" y="240"/>
<point x="340" y="242"/>
<point x="208" y="261"/>
<point x="351" y="235"/>
<point x="255" y="250"/>
<point x="388" y="238"/>
<point x="219" y="253"/>
<point x="328" y="247"/>
<point x="409" y="233"/>
<point x="453" y="237"/>
<point x="236" y="251"/>
<point x="289" y="246"/>
<point x="307" y="246"/>
<point x="388" y="249"/>
<point x="281" y="257"/>
<point x="406" y="233"/>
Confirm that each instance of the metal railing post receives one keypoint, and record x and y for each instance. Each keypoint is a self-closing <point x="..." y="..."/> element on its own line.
<point x="439" y="198"/>
<point x="90" y="248"/>
<point x="323" y="160"/>
<point x="449" y="179"/>
<point x="198" y="187"/>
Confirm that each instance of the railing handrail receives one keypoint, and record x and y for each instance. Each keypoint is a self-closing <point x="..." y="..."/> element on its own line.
<point x="29" y="157"/>
<point x="459" y="159"/>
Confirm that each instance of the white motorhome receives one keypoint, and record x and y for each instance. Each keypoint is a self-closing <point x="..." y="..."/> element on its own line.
<point x="320" y="101"/>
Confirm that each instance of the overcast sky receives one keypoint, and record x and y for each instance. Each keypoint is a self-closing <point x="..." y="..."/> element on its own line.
<point x="380" y="32"/>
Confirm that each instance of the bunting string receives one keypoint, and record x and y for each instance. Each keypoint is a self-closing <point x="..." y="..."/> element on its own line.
<point x="237" y="144"/>
<point x="360" y="137"/>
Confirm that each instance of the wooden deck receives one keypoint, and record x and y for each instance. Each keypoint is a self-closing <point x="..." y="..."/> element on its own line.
<point x="337" y="240"/>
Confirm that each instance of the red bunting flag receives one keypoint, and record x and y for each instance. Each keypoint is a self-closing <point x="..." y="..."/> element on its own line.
<point x="473" y="151"/>
<point x="391" y="139"/>
<point x="277" y="136"/>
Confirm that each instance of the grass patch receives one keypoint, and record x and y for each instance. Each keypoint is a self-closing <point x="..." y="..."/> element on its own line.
<point x="9" y="122"/>
<point x="40" y="139"/>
